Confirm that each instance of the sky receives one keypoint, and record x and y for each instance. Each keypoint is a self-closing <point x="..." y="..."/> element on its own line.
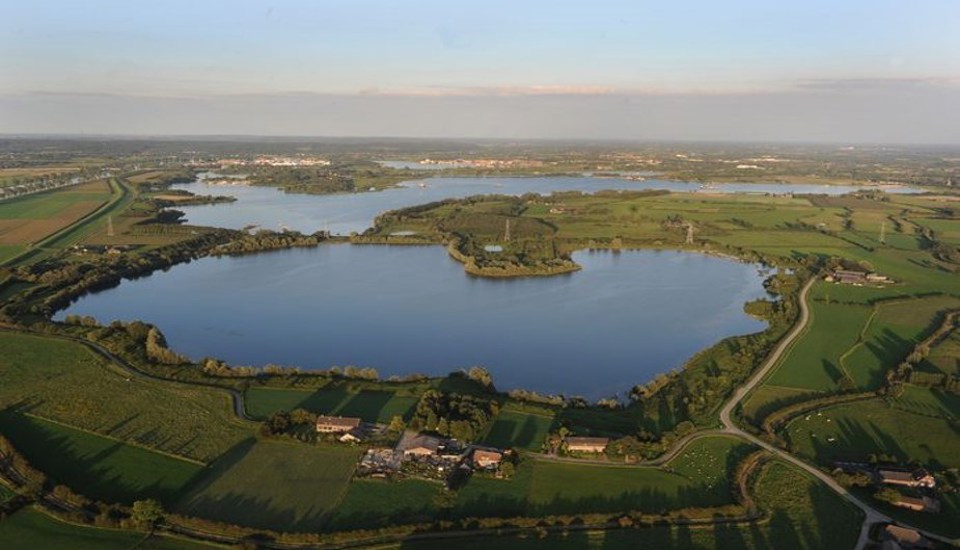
<point x="866" y="71"/>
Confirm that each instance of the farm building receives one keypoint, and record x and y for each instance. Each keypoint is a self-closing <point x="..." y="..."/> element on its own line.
<point x="902" y="537"/>
<point x="336" y="424"/>
<point x="587" y="444"/>
<point x="413" y="444"/>
<point x="918" y="504"/>
<point x="906" y="478"/>
<point x="486" y="459"/>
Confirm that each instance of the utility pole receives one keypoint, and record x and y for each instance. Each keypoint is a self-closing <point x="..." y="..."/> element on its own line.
<point x="883" y="227"/>
<point x="506" y="232"/>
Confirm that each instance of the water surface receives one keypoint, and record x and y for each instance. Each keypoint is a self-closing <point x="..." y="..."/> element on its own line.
<point x="341" y="214"/>
<point x="620" y="321"/>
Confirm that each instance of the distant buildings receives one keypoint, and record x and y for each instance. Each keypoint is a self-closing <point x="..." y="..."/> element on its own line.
<point x="856" y="278"/>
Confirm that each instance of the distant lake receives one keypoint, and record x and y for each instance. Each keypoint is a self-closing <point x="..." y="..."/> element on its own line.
<point x="620" y="321"/>
<point x="344" y="213"/>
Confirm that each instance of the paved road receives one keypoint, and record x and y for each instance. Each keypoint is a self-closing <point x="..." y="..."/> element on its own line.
<point x="730" y="427"/>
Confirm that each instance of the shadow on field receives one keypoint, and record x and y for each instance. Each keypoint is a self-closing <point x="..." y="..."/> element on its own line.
<point x="87" y="462"/>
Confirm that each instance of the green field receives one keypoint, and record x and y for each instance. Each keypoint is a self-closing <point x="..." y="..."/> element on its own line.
<point x="51" y="204"/>
<point x="370" y="405"/>
<point x="944" y="357"/>
<point x="803" y="515"/>
<point x="516" y="428"/>
<point x="697" y="477"/>
<point x="65" y="382"/>
<point x="29" y="529"/>
<point x="370" y="503"/>
<point x="95" y="466"/>
<point x="814" y="361"/>
<point x="274" y="485"/>
<point x="920" y="426"/>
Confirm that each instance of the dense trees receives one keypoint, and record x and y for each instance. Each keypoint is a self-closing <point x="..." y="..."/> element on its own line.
<point x="462" y="417"/>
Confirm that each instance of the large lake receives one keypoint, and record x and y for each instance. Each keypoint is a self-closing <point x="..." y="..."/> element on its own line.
<point x="341" y="214"/>
<point x="620" y="321"/>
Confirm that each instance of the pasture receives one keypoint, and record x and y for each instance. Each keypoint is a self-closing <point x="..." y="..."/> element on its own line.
<point x="278" y="485"/>
<point x="64" y="382"/>
<point x="918" y="426"/>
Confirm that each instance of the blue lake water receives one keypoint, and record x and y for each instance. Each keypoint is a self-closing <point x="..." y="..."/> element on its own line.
<point x="620" y="321"/>
<point x="341" y="214"/>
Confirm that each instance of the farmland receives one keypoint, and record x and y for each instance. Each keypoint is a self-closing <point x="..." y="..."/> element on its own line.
<point x="29" y="219"/>
<point x="520" y="429"/>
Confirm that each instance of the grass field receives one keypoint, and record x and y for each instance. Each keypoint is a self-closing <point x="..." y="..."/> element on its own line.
<point x="63" y="381"/>
<point x="945" y="356"/>
<point x="519" y="429"/>
<point x="697" y="477"/>
<point x="805" y="513"/>
<point x="95" y="466"/>
<point x="29" y="219"/>
<point x="921" y="426"/>
<point x="29" y="529"/>
<point x="370" y="503"/>
<point x="370" y="405"/>
<point x="274" y="485"/>
<point x="814" y="361"/>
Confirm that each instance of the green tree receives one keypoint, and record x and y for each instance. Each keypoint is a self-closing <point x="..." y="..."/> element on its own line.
<point x="147" y="512"/>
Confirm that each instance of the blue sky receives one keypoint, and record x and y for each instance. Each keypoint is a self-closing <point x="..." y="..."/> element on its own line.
<point x="309" y="68"/>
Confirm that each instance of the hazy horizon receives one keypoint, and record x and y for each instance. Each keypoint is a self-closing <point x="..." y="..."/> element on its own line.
<point x="880" y="72"/>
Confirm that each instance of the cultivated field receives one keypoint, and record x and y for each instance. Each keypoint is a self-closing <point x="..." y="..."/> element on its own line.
<point x="29" y="219"/>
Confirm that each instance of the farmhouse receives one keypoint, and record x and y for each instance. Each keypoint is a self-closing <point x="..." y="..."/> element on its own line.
<point x="336" y="424"/>
<point x="921" y="504"/>
<point x="901" y="537"/>
<point x="485" y="459"/>
<point x="907" y="478"/>
<point x="587" y="444"/>
<point x="413" y="444"/>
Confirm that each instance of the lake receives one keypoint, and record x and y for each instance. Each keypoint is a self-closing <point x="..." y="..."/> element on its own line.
<point x="620" y="321"/>
<point x="344" y="213"/>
